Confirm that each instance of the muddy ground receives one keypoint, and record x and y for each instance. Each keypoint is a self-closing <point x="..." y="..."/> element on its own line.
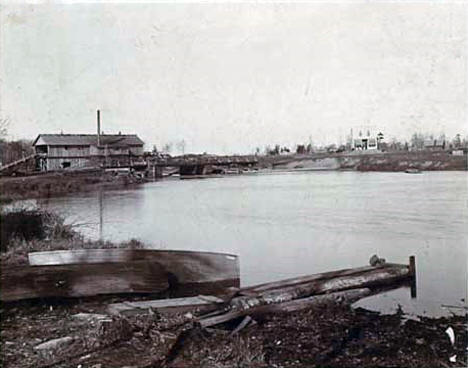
<point x="328" y="336"/>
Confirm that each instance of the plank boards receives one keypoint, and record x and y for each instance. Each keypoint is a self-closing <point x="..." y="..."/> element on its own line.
<point x="186" y="266"/>
<point x="175" y="305"/>
<point x="82" y="280"/>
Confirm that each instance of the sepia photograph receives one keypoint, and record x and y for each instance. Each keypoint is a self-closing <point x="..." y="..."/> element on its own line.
<point x="233" y="184"/>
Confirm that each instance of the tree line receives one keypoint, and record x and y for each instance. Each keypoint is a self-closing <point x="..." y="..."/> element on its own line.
<point x="418" y="141"/>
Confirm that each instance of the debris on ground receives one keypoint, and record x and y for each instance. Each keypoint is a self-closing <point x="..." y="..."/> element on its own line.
<point x="329" y="335"/>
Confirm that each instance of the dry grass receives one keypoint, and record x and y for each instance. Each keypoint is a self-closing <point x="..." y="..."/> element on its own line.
<point x="17" y="253"/>
<point x="27" y="230"/>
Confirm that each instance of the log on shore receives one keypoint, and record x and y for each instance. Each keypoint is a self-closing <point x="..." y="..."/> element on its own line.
<point x="26" y="282"/>
<point x="373" y="277"/>
<point x="254" y="290"/>
<point x="347" y="297"/>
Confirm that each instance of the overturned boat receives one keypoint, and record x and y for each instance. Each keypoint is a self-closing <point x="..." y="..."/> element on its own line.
<point x="89" y="272"/>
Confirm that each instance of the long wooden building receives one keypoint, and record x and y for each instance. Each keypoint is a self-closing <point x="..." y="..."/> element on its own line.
<point x="62" y="151"/>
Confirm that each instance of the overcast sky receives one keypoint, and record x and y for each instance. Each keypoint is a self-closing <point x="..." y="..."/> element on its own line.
<point x="228" y="77"/>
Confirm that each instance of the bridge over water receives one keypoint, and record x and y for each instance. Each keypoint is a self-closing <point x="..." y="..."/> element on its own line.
<point x="199" y="164"/>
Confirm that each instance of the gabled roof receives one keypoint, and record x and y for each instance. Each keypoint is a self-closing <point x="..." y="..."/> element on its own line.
<point x="87" y="140"/>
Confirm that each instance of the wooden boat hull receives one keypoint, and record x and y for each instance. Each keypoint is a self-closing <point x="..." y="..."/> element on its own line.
<point x="87" y="272"/>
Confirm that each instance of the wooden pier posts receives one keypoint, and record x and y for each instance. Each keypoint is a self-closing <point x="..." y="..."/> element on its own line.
<point x="412" y="273"/>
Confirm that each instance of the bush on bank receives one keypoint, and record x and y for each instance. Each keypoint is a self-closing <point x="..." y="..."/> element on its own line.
<point x="32" y="224"/>
<point x="33" y="230"/>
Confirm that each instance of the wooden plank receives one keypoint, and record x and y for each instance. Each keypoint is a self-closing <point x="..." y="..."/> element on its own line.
<point x="82" y="280"/>
<point x="256" y="289"/>
<point x="348" y="296"/>
<point x="175" y="305"/>
<point x="186" y="266"/>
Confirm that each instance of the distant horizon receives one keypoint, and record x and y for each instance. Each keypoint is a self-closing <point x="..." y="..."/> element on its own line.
<point x="174" y="149"/>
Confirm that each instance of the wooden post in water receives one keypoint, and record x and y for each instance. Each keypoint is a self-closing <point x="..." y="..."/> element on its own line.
<point x="412" y="273"/>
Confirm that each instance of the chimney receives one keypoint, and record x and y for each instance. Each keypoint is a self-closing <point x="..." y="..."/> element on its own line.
<point x="98" y="128"/>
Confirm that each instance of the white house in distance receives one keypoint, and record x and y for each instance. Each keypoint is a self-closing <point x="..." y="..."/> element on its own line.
<point x="367" y="139"/>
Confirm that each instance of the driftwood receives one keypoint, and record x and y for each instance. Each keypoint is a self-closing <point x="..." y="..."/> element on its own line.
<point x="254" y="290"/>
<point x="25" y="282"/>
<point x="348" y="296"/>
<point x="305" y="292"/>
<point x="376" y="276"/>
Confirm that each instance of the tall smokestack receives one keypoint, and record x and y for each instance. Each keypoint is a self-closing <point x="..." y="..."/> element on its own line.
<point x="98" y="128"/>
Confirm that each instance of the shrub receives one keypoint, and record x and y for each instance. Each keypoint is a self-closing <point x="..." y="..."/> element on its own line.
<point x="31" y="224"/>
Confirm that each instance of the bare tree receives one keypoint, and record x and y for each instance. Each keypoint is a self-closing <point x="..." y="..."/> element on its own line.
<point x="181" y="146"/>
<point x="167" y="148"/>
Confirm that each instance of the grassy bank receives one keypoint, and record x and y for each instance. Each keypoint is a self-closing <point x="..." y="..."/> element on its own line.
<point x="58" y="184"/>
<point x="25" y="230"/>
<point x="379" y="161"/>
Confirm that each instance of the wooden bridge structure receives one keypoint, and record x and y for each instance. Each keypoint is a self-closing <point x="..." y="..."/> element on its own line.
<point x="199" y="164"/>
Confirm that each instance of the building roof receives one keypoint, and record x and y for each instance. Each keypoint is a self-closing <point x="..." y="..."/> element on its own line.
<point x="87" y="140"/>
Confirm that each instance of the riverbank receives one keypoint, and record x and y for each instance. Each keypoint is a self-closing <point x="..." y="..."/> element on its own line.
<point x="59" y="184"/>
<point x="368" y="161"/>
<point x="331" y="335"/>
<point x="72" y="332"/>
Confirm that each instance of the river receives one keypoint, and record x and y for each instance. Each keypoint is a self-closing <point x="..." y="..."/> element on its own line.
<point x="288" y="224"/>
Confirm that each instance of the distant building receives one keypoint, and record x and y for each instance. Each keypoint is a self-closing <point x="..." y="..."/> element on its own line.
<point x="62" y="151"/>
<point x="366" y="140"/>
<point x="434" y="144"/>
<point x="459" y="151"/>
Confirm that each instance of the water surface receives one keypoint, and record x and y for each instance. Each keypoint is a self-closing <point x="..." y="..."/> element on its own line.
<point x="288" y="224"/>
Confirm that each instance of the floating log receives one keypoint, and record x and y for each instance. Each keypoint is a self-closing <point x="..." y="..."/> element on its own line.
<point x="348" y="296"/>
<point x="190" y="273"/>
<point x="166" y="306"/>
<point x="23" y="282"/>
